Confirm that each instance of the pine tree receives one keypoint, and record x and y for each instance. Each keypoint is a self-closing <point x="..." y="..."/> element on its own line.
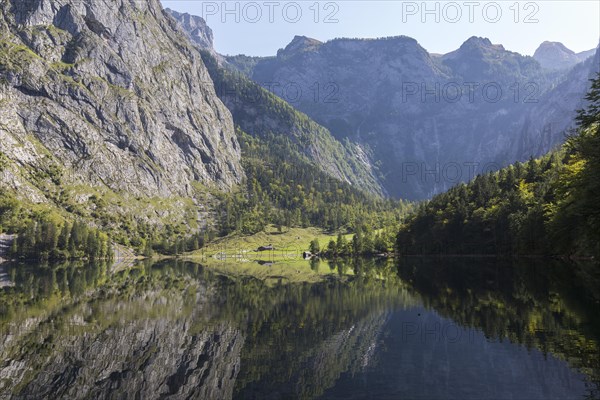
<point x="332" y="248"/>
<point x="63" y="238"/>
<point x="357" y="243"/>
<point x="341" y="245"/>
<point x="315" y="248"/>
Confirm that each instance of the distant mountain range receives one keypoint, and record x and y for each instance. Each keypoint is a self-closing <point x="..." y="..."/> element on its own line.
<point x="425" y="121"/>
<point x="429" y="121"/>
<point x="260" y="113"/>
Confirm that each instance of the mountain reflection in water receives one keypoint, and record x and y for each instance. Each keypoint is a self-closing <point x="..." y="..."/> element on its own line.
<point x="418" y="328"/>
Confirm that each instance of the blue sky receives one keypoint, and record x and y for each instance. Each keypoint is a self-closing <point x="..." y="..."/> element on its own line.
<point x="262" y="27"/>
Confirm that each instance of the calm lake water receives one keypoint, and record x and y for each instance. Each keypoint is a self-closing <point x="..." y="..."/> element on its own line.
<point x="412" y="329"/>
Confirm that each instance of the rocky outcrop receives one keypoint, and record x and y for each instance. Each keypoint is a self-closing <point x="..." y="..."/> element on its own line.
<point x="195" y="27"/>
<point x="109" y="94"/>
<point x="299" y="44"/>
<point x="258" y="112"/>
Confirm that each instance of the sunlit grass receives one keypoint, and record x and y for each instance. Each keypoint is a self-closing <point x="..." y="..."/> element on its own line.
<point x="289" y="243"/>
<point x="237" y="255"/>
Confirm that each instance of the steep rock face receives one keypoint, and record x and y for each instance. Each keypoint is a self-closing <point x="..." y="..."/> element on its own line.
<point x="418" y="114"/>
<point x="348" y="87"/>
<point x="258" y="113"/>
<point x="430" y="122"/>
<point x="348" y="73"/>
<point x="196" y="28"/>
<point x="553" y="116"/>
<point x="555" y="56"/>
<point x="110" y="93"/>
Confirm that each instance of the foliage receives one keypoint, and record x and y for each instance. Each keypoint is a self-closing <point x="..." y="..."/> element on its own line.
<point x="365" y="242"/>
<point x="44" y="234"/>
<point x="315" y="247"/>
<point x="284" y="189"/>
<point x="577" y="211"/>
<point x="262" y="114"/>
<point x="545" y="206"/>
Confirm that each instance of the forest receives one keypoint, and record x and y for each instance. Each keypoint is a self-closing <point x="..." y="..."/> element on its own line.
<point x="546" y="206"/>
<point x="284" y="189"/>
<point x="46" y="235"/>
<point x="365" y="242"/>
<point x="281" y="187"/>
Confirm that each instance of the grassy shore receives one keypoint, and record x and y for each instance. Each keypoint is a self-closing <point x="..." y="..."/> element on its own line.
<point x="237" y="255"/>
<point x="287" y="244"/>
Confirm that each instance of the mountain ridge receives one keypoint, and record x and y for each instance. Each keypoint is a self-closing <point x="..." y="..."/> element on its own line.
<point x="405" y="111"/>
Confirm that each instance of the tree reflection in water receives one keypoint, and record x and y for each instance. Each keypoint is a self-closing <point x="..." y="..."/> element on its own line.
<point x="175" y="328"/>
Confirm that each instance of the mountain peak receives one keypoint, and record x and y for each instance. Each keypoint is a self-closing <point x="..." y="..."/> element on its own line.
<point x="476" y="42"/>
<point x="196" y="27"/>
<point x="299" y="44"/>
<point x="553" y="46"/>
<point x="555" y="55"/>
<point x="476" y="47"/>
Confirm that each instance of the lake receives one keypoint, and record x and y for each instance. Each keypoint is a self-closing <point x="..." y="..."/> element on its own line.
<point x="414" y="328"/>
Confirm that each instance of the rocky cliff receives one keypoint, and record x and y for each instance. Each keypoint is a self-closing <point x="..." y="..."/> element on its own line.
<point x="258" y="112"/>
<point x="553" y="117"/>
<point x="195" y="27"/>
<point x="108" y="94"/>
